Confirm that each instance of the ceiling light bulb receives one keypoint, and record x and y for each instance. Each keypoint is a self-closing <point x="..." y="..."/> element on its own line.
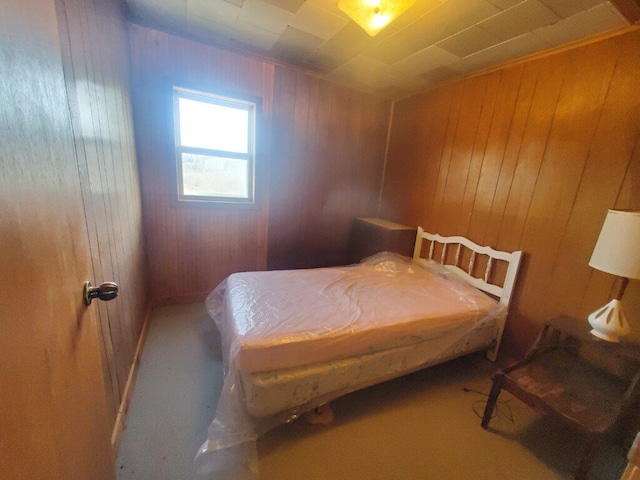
<point x="379" y="20"/>
<point x="374" y="15"/>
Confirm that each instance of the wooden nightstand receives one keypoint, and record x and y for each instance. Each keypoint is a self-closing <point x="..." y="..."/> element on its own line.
<point x="373" y="235"/>
<point x="563" y="375"/>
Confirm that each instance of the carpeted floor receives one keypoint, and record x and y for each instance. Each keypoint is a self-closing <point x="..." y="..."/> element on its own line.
<point x="423" y="426"/>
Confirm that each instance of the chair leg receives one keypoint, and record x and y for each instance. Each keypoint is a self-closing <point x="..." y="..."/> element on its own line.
<point x="588" y="457"/>
<point x="493" y="398"/>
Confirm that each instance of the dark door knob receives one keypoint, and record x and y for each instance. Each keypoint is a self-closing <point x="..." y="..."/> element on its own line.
<point x="106" y="291"/>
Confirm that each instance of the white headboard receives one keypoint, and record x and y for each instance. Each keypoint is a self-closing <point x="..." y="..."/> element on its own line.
<point x="502" y="292"/>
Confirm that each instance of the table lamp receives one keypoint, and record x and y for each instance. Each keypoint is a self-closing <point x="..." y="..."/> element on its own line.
<point x="617" y="252"/>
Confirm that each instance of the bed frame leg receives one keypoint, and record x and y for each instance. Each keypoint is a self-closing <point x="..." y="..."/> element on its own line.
<point x="492" y="354"/>
<point x="321" y="415"/>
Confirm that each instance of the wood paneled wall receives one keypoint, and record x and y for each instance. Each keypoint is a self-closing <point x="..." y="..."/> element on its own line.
<point x="191" y="249"/>
<point x="322" y="151"/>
<point x="327" y="160"/>
<point x="94" y="41"/>
<point x="528" y="157"/>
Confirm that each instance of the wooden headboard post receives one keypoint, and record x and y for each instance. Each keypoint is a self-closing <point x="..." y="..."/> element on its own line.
<point x="502" y="292"/>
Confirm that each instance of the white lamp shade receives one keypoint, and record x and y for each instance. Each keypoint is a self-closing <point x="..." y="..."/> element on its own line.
<point x="617" y="250"/>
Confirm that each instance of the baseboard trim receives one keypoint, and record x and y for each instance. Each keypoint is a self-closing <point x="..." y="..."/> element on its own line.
<point x="121" y="417"/>
<point x="179" y="299"/>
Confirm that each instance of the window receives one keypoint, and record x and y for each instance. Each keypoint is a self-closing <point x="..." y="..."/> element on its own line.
<point x="215" y="147"/>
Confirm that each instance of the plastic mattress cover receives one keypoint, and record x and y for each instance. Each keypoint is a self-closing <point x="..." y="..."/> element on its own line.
<point x="282" y="319"/>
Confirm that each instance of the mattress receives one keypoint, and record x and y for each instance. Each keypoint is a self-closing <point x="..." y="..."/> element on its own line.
<point x="294" y="389"/>
<point x="285" y="319"/>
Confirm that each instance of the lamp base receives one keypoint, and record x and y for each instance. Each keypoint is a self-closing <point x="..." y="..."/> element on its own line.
<point x="609" y="322"/>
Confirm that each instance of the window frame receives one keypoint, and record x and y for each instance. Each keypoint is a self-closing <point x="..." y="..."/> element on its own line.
<point x="253" y="107"/>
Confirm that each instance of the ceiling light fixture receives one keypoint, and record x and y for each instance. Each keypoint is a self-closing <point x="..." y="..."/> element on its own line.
<point x="374" y="15"/>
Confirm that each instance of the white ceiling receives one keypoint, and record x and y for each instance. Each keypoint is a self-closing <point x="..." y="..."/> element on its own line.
<point x="434" y="41"/>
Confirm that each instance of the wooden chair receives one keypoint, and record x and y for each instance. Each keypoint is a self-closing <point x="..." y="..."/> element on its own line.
<point x="555" y="379"/>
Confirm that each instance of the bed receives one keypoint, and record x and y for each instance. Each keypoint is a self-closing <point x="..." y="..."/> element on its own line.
<point x="294" y="340"/>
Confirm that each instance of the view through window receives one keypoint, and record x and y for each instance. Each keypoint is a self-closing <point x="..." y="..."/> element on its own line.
<point x="215" y="147"/>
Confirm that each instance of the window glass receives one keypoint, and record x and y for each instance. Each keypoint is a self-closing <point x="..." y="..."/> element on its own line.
<point x="210" y="176"/>
<point x="215" y="127"/>
<point x="215" y="157"/>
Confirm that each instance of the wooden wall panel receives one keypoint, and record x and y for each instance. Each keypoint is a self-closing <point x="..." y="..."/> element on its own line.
<point x="476" y="152"/>
<point x="534" y="166"/>
<point x="96" y="64"/>
<point x="191" y="249"/>
<point x="327" y="160"/>
<point x="323" y="162"/>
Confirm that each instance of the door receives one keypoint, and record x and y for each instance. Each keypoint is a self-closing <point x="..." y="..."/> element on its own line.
<point x="54" y="420"/>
